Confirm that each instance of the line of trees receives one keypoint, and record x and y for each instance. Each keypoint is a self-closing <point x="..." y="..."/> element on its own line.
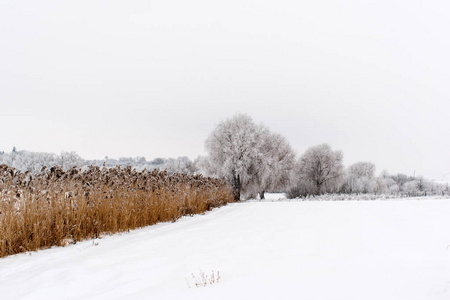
<point x="34" y="162"/>
<point x="253" y="160"/>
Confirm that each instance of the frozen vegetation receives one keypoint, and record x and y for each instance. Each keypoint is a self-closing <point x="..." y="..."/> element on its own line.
<point x="33" y="162"/>
<point x="396" y="249"/>
<point x="253" y="160"/>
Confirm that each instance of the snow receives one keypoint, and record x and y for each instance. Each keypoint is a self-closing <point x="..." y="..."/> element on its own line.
<point x="273" y="197"/>
<point x="396" y="249"/>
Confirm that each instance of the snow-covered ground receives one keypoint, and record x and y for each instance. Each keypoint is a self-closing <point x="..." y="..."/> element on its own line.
<point x="398" y="249"/>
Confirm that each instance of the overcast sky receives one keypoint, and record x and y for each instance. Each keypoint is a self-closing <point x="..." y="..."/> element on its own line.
<point x="153" y="78"/>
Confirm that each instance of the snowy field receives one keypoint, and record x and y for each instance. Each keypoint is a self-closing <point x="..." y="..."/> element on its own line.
<point x="397" y="249"/>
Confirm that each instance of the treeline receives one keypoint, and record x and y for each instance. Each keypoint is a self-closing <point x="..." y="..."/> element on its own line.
<point x="359" y="178"/>
<point x="253" y="160"/>
<point x="34" y="162"/>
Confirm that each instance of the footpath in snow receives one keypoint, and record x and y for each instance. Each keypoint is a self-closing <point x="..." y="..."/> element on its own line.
<point x="397" y="249"/>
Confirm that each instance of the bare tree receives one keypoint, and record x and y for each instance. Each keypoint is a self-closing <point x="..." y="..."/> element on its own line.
<point x="321" y="168"/>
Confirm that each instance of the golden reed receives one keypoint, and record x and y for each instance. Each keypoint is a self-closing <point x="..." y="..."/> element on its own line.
<point x="56" y="208"/>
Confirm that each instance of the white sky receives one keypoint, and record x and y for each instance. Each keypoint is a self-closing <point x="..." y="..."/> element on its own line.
<point x="153" y="78"/>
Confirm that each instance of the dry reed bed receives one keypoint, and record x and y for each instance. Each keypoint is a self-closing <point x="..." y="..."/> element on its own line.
<point x="57" y="208"/>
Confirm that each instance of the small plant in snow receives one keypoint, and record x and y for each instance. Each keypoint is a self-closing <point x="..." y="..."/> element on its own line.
<point x="204" y="279"/>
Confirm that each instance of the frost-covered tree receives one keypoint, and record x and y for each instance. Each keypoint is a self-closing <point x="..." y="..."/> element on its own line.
<point x="422" y="184"/>
<point x="400" y="179"/>
<point x="70" y="159"/>
<point x="180" y="165"/>
<point x="362" y="169"/>
<point x="29" y="161"/>
<point x="234" y="147"/>
<point x="360" y="178"/>
<point x="385" y="185"/>
<point x="411" y="188"/>
<point x="273" y="164"/>
<point x="158" y="161"/>
<point x="320" y="169"/>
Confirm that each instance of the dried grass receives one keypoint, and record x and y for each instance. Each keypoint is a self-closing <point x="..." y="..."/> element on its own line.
<point x="203" y="279"/>
<point x="59" y="208"/>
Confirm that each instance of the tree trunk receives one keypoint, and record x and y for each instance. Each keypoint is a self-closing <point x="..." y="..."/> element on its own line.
<point x="237" y="188"/>
<point x="318" y="185"/>
<point x="261" y="194"/>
